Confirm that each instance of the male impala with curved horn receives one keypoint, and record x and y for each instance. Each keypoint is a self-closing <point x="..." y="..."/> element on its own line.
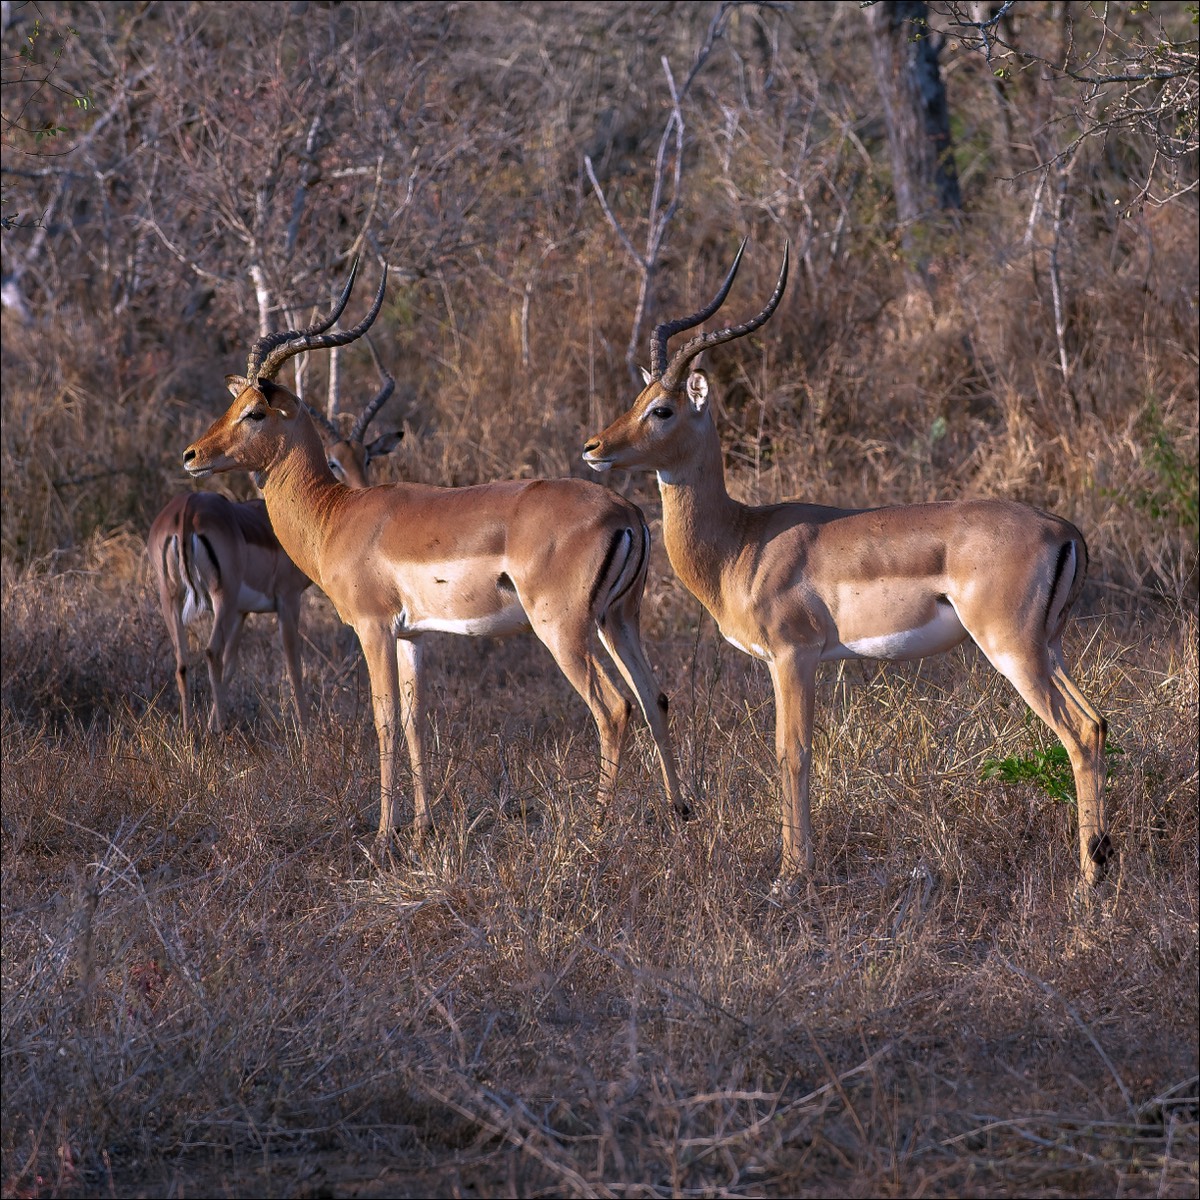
<point x="564" y="557"/>
<point x="795" y="584"/>
<point x="223" y="555"/>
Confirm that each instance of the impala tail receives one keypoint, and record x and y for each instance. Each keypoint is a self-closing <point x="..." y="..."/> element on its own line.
<point x="178" y="565"/>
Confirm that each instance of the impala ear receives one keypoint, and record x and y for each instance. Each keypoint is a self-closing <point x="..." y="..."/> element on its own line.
<point x="278" y="397"/>
<point x="697" y="390"/>
<point x="384" y="444"/>
<point x="645" y="376"/>
<point x="236" y="384"/>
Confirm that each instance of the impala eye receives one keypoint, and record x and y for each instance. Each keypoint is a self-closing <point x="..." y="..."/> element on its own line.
<point x="335" y="466"/>
<point x="256" y="414"/>
<point x="662" y="414"/>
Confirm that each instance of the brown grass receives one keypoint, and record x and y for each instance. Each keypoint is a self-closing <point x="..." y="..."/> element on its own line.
<point x="208" y="990"/>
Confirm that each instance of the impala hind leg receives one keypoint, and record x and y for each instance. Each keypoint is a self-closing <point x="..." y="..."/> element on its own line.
<point x="169" y="598"/>
<point x="595" y="682"/>
<point x="409" y="653"/>
<point x="620" y="635"/>
<point x="220" y="654"/>
<point x="1041" y="678"/>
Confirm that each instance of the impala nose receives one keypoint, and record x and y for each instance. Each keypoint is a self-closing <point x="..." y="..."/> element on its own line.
<point x="592" y="446"/>
<point x="188" y="455"/>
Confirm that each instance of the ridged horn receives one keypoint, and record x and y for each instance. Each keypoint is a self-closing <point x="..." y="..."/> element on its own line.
<point x="668" y="329"/>
<point x="325" y="423"/>
<point x="368" y="414"/>
<point x="269" y="341"/>
<point x="272" y="351"/>
<point x="672" y="377"/>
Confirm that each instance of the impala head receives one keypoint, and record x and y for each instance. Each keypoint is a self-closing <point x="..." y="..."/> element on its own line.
<point x="349" y="454"/>
<point x="658" y="432"/>
<point x="253" y="434"/>
<point x="265" y="419"/>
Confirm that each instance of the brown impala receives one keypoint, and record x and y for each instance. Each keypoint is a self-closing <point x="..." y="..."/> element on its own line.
<point x="212" y="553"/>
<point x="796" y="584"/>
<point x="564" y="557"/>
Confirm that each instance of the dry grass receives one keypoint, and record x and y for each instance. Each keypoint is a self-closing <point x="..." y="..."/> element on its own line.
<point x="207" y="990"/>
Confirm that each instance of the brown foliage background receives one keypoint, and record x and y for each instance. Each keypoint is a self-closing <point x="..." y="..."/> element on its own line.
<point x="205" y="987"/>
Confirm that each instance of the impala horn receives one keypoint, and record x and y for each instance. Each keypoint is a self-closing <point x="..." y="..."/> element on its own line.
<point x="388" y="385"/>
<point x="271" y="351"/>
<point x="359" y="429"/>
<point x="672" y="376"/>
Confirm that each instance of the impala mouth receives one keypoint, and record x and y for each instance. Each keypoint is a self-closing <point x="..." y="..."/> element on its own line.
<point x="197" y="470"/>
<point x="598" y="464"/>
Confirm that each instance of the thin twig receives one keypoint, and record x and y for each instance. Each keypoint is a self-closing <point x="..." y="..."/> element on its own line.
<point x="1079" y="1021"/>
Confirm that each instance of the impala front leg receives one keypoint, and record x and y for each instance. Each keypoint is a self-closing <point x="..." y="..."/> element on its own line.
<point x="412" y="713"/>
<point x="287" y="608"/>
<point x="794" y="675"/>
<point x="379" y="649"/>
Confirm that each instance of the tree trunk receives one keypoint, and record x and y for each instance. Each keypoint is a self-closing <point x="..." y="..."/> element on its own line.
<point x="905" y="56"/>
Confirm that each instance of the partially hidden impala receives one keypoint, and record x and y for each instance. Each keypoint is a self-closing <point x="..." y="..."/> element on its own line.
<point x="565" y="558"/>
<point x="210" y="553"/>
<point x="797" y="584"/>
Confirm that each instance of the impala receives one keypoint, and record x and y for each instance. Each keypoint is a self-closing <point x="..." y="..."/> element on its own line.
<point x="350" y="456"/>
<point x="208" y="552"/>
<point x="564" y="557"/>
<point x="797" y="584"/>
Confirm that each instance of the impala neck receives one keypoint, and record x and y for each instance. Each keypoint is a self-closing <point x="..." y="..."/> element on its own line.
<point x="701" y="521"/>
<point x="303" y="497"/>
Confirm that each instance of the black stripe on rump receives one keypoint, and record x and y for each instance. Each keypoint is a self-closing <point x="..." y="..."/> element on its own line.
<point x="602" y="575"/>
<point x="216" y="562"/>
<point x="1064" y="556"/>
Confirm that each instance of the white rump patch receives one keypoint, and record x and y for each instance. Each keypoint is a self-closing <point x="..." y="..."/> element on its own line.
<point x="193" y="609"/>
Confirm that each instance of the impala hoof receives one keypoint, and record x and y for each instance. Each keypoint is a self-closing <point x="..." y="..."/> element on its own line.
<point x="1100" y="858"/>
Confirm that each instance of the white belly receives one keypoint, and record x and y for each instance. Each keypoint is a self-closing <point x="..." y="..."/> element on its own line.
<point x="754" y="650"/>
<point x="942" y="633"/>
<point x="496" y="624"/>
<point x="251" y="601"/>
